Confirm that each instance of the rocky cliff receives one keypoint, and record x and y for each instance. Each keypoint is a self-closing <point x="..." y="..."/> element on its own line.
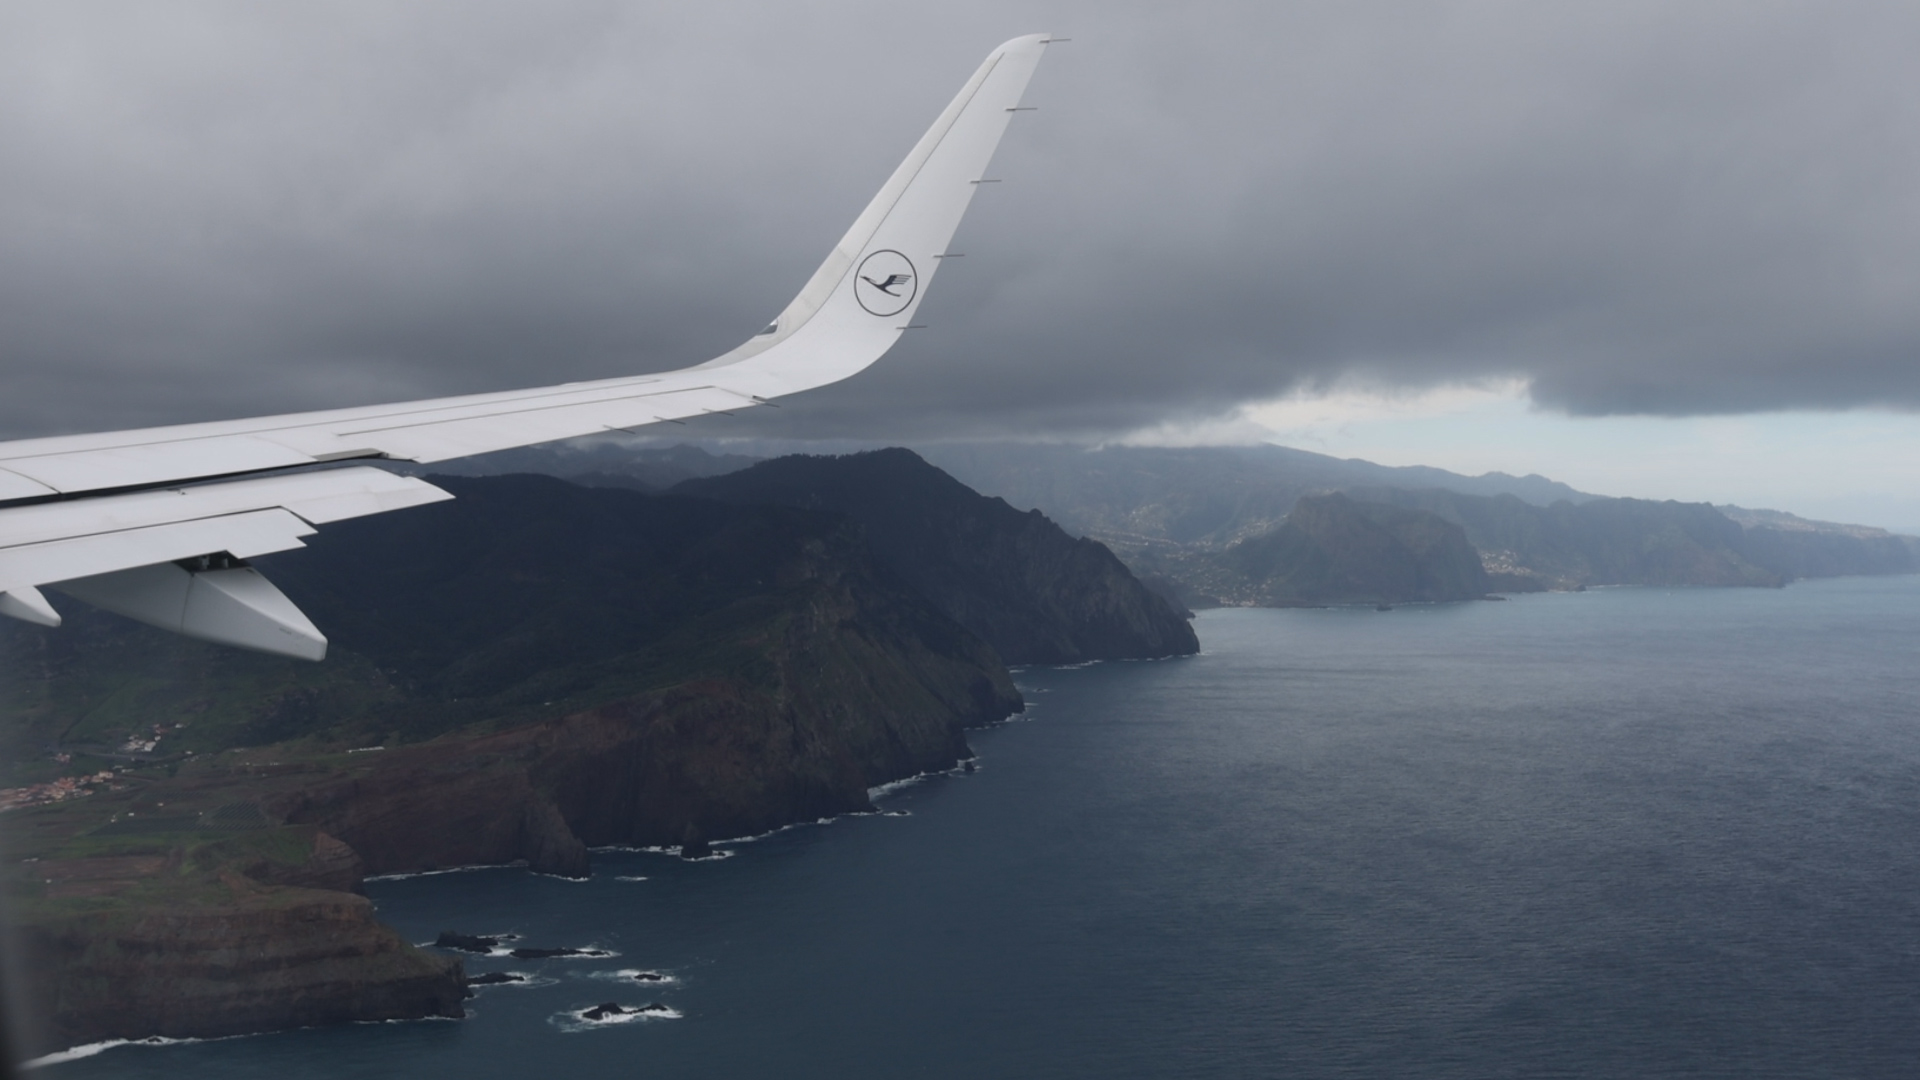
<point x="220" y="938"/>
<point x="1036" y="594"/>
<point x="543" y="668"/>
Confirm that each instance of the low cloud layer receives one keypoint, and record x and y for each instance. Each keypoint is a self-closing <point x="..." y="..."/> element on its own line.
<point x="218" y="210"/>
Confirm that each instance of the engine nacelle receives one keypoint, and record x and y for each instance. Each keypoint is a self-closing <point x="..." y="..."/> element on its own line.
<point x="214" y="598"/>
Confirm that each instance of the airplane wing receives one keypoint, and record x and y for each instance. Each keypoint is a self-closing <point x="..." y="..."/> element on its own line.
<point x="157" y="524"/>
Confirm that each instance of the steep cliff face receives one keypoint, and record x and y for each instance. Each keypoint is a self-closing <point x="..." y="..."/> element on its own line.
<point x="542" y="668"/>
<point x="1017" y="580"/>
<point x="842" y="700"/>
<point x="1334" y="550"/>
<point x="130" y="946"/>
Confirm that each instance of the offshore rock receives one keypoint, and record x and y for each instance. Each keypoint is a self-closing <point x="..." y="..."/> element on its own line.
<point x="473" y="943"/>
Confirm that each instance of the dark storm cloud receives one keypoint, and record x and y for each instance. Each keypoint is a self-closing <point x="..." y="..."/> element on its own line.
<point x="216" y="210"/>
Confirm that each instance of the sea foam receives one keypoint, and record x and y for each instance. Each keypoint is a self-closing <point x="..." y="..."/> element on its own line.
<point x="575" y="1019"/>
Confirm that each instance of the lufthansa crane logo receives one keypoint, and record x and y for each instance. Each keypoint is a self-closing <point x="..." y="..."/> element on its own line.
<point x="885" y="283"/>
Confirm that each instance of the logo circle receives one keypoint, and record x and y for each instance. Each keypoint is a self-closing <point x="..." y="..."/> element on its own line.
<point x="885" y="283"/>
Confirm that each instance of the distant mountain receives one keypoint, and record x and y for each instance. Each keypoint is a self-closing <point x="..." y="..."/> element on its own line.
<point x="1636" y="541"/>
<point x="1779" y="519"/>
<point x="1141" y="497"/>
<point x="1600" y="542"/>
<point x="1799" y="547"/>
<point x="602" y="464"/>
<point x="1033" y="592"/>
<point x="1335" y="550"/>
<point x="1391" y="545"/>
<point x="1156" y="507"/>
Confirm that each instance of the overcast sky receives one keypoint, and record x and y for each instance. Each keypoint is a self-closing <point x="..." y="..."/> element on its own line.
<point x="1621" y="211"/>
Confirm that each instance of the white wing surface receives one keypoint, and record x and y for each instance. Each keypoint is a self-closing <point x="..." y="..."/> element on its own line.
<point x="157" y="523"/>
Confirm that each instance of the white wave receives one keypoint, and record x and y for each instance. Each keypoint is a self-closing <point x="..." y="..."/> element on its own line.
<point x="659" y="978"/>
<point x="87" y="1050"/>
<point x="528" y="980"/>
<point x="892" y="786"/>
<point x="956" y="769"/>
<point x="502" y="945"/>
<point x="575" y="1019"/>
<point x="630" y="877"/>
<point x="434" y="873"/>
<point x="775" y="831"/>
<point x="658" y="849"/>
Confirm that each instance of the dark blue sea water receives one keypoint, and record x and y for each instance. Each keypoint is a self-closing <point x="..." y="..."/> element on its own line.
<point x="1625" y="833"/>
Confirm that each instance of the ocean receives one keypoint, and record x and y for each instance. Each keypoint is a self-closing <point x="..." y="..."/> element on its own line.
<point x="1619" y="833"/>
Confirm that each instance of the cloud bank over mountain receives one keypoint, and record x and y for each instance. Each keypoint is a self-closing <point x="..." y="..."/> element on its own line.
<point x="1638" y="208"/>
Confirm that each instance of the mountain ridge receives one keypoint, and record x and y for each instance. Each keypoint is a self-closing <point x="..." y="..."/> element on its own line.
<point x="1019" y="581"/>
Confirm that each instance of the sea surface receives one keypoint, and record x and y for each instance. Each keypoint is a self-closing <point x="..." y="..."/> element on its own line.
<point x="1620" y="833"/>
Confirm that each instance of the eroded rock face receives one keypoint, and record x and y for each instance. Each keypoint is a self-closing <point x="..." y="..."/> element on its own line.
<point x="435" y="807"/>
<point x="1019" y="581"/>
<point x="541" y="668"/>
<point x="253" y="959"/>
<point x="711" y="759"/>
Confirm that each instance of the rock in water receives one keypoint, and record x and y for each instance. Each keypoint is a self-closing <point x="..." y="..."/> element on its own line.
<point x="693" y="845"/>
<point x="547" y="954"/>
<point x="450" y="939"/>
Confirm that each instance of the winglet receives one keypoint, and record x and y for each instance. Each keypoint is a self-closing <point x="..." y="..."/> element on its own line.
<point x="860" y="299"/>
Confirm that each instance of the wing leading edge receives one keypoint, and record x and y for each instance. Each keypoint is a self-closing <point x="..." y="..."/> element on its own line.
<point x="106" y="518"/>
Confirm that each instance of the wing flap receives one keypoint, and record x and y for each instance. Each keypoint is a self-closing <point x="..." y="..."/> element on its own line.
<point x="247" y="535"/>
<point x="15" y="486"/>
<point x="55" y="542"/>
